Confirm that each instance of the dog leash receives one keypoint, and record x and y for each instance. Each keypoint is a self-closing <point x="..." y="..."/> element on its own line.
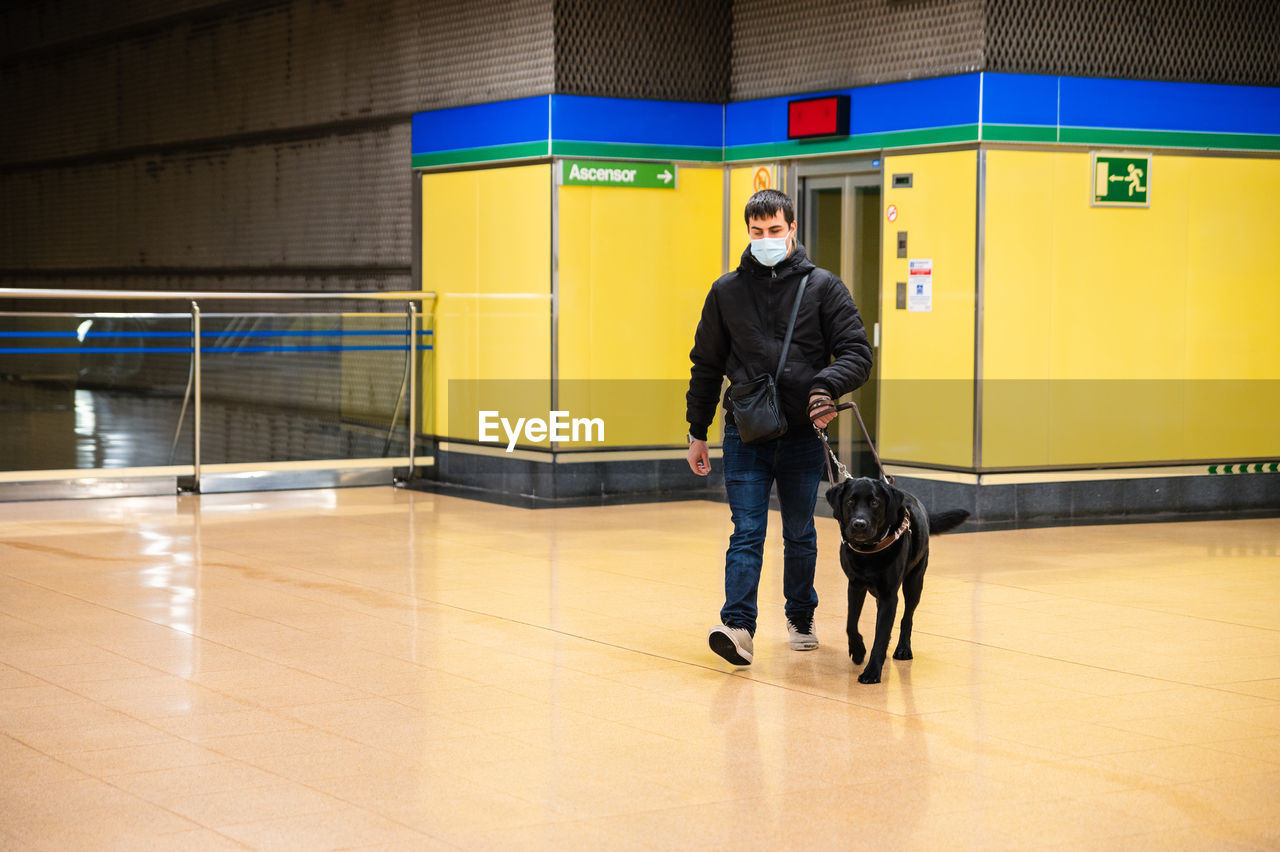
<point x="830" y="454"/>
<point x="903" y="528"/>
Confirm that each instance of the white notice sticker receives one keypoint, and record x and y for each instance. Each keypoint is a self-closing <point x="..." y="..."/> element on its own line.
<point x="920" y="285"/>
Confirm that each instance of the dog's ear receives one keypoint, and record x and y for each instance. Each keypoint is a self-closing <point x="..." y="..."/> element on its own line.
<point x="893" y="501"/>
<point x="836" y="493"/>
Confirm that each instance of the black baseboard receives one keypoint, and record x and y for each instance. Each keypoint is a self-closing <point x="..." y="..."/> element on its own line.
<point x="559" y="481"/>
<point x="524" y="501"/>
<point x="1106" y="501"/>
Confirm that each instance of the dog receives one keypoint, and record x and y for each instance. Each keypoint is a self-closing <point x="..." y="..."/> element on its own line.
<point x="885" y="547"/>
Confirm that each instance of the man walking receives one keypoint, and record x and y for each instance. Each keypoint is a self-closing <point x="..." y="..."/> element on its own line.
<point x="740" y="335"/>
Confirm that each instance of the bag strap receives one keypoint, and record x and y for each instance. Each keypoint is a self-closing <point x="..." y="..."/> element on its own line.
<point x="791" y="326"/>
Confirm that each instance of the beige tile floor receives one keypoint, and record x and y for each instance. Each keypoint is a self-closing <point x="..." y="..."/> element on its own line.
<point x="375" y="668"/>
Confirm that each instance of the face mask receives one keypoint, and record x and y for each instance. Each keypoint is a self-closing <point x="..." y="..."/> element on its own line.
<point x="769" y="250"/>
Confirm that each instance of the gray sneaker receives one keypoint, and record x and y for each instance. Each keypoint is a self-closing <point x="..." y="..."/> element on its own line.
<point x="732" y="643"/>
<point x="803" y="635"/>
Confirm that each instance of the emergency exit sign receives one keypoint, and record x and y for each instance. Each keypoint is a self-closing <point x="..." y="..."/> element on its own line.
<point x="1121" y="180"/>
<point x="619" y="174"/>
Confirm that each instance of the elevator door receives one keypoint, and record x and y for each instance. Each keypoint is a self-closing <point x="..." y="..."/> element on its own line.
<point x="841" y="230"/>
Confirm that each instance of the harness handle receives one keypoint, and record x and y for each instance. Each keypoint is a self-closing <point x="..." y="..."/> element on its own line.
<point x="830" y="454"/>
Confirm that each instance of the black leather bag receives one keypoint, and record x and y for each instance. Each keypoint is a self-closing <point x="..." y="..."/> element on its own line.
<point x="757" y="411"/>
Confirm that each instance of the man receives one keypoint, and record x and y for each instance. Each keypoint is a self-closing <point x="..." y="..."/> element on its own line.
<point x="740" y="334"/>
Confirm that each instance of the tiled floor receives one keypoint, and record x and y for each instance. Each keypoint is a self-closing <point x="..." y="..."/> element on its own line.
<point x="376" y="668"/>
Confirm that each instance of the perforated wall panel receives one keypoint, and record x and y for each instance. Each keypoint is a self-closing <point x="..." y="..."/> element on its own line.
<point x="270" y="70"/>
<point x="33" y="25"/>
<point x="192" y="136"/>
<point x="336" y="201"/>
<point x="244" y="145"/>
<point x="476" y="52"/>
<point x="809" y="45"/>
<point x="663" y="50"/>
<point x="1204" y="41"/>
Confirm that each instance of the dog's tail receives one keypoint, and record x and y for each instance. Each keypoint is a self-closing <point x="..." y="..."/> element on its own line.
<point x="944" y="521"/>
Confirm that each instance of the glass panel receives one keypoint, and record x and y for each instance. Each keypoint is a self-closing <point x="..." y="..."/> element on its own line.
<point x="825" y="227"/>
<point x="86" y="391"/>
<point x="865" y="285"/>
<point x="824" y="237"/>
<point x="83" y="391"/>
<point x="287" y="387"/>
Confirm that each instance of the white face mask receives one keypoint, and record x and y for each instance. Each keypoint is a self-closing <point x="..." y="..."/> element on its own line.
<point x="769" y="250"/>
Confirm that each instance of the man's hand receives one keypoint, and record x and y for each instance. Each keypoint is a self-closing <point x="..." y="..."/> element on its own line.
<point x="822" y="408"/>
<point x="699" y="459"/>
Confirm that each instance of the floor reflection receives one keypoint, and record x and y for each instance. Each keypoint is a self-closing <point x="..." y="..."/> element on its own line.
<point x="404" y="669"/>
<point x="54" y="427"/>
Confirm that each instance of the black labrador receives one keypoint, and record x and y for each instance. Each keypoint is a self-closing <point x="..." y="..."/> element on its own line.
<point x="885" y="546"/>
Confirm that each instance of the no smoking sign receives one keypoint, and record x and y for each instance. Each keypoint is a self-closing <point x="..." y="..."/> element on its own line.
<point x="891" y="213"/>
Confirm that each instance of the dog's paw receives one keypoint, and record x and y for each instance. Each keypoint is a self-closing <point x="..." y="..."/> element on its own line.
<point x="902" y="653"/>
<point x="857" y="651"/>
<point x="869" y="677"/>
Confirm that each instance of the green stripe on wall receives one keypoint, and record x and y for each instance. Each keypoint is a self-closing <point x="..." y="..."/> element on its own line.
<point x="1169" y="139"/>
<point x="625" y="151"/>
<point x="1018" y="133"/>
<point x="859" y="142"/>
<point x="463" y="156"/>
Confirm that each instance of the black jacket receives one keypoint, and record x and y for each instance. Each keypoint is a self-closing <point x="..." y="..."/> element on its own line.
<point x="740" y="336"/>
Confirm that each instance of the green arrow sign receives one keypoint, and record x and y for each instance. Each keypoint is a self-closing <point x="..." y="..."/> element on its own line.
<point x="1121" y="180"/>
<point x="628" y="175"/>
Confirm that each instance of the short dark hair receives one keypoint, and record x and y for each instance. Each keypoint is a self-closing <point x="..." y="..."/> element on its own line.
<point x="766" y="203"/>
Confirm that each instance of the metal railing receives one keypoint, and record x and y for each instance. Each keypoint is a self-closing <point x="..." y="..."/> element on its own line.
<point x="294" y="389"/>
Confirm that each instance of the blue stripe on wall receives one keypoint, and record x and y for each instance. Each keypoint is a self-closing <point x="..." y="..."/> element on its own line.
<point x="1019" y="99"/>
<point x="1150" y="105"/>
<point x="168" y="335"/>
<point x="937" y="102"/>
<point x="155" y="335"/>
<point x="220" y="350"/>
<point x="587" y="119"/>
<point x="187" y="350"/>
<point x="93" y="350"/>
<point x="499" y="123"/>
<point x="1005" y="100"/>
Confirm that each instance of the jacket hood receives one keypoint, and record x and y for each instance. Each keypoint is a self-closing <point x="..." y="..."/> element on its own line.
<point x="797" y="262"/>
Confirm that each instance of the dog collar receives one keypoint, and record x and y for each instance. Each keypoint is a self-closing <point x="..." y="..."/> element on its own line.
<point x="888" y="540"/>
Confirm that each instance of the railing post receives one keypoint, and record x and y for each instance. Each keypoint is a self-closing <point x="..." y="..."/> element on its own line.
<point x="413" y="386"/>
<point x="195" y="371"/>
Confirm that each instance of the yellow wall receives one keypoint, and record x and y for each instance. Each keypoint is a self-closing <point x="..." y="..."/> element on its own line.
<point x="486" y="251"/>
<point x="1110" y="336"/>
<point x="1130" y="335"/>
<point x="635" y="268"/>
<point x="927" y="359"/>
<point x="742" y="187"/>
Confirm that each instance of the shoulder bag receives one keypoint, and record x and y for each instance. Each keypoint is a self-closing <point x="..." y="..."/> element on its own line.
<point x="757" y="411"/>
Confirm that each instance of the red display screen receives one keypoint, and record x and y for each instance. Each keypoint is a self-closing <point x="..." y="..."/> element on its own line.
<point x="813" y="117"/>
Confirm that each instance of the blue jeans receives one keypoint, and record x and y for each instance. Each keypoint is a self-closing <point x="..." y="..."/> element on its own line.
<point x="795" y="463"/>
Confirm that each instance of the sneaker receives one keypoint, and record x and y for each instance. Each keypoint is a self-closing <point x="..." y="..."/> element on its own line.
<point x="802" y="633"/>
<point x="732" y="643"/>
